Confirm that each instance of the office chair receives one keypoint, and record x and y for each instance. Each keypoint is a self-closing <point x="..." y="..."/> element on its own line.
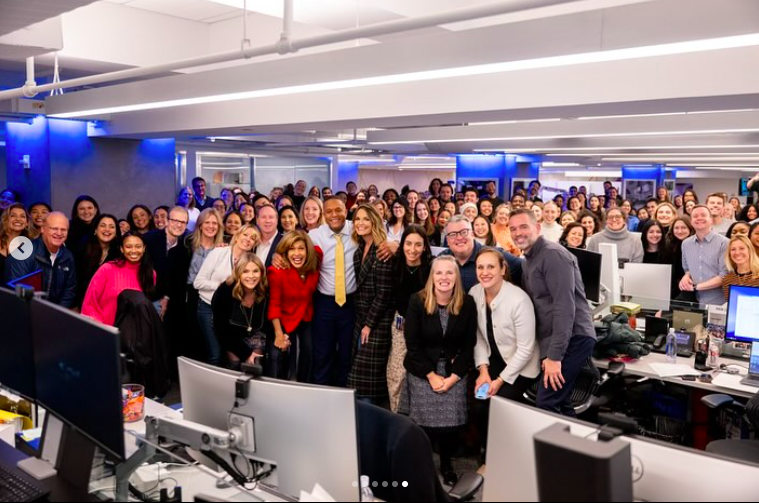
<point x="394" y="449"/>
<point x="744" y="450"/>
<point x="588" y="391"/>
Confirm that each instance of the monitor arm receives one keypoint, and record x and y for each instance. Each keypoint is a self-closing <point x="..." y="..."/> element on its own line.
<point x="217" y="445"/>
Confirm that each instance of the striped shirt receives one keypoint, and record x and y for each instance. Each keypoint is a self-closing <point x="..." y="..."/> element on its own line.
<point x="733" y="278"/>
<point x="704" y="260"/>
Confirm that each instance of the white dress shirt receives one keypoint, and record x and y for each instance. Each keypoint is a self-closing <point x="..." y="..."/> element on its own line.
<point x="262" y="250"/>
<point x="322" y="237"/>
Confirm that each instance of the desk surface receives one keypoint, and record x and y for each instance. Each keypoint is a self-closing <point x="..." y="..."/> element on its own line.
<point x="722" y="383"/>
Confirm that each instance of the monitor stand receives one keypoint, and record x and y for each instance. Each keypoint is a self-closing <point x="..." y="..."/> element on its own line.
<point x="64" y="452"/>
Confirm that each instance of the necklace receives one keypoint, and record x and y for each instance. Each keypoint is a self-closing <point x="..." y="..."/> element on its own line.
<point x="248" y="318"/>
<point x="414" y="271"/>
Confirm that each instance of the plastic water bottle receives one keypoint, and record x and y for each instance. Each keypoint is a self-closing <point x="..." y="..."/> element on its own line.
<point x="671" y="347"/>
<point x="366" y="491"/>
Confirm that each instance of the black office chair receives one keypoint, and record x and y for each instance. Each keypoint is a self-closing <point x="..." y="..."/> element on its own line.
<point x="588" y="391"/>
<point x="745" y="450"/>
<point x="393" y="449"/>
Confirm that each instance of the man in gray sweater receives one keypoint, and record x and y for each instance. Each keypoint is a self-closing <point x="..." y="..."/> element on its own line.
<point x="565" y="331"/>
<point x="629" y="246"/>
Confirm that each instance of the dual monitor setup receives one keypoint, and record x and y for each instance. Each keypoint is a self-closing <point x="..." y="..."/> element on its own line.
<point x="70" y="366"/>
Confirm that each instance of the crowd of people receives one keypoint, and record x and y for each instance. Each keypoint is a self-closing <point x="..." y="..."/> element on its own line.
<point x="343" y="289"/>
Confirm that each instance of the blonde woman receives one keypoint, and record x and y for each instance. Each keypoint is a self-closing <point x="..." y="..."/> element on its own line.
<point x="665" y="214"/>
<point x="742" y="263"/>
<point x="441" y="332"/>
<point x="239" y="313"/>
<point x="502" y="233"/>
<point x="215" y="270"/>
<point x="372" y="336"/>
<point x="312" y="213"/>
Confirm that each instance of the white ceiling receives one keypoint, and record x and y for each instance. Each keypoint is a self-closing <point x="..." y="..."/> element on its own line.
<point x="18" y="14"/>
<point x="436" y="115"/>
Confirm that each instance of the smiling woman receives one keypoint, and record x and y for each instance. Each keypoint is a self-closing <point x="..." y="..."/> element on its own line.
<point x="103" y="245"/>
<point x="132" y="271"/>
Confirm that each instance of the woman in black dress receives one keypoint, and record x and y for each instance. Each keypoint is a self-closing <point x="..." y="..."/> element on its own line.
<point x="441" y="332"/>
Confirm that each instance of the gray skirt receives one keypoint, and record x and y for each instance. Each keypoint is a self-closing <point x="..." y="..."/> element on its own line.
<point x="436" y="410"/>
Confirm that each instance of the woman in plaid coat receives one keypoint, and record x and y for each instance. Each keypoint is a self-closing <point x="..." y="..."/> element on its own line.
<point x="372" y="335"/>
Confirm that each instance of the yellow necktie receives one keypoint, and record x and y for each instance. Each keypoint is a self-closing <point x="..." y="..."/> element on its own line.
<point x="340" y="296"/>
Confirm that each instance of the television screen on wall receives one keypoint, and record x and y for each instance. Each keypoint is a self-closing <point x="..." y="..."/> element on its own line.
<point x="743" y="188"/>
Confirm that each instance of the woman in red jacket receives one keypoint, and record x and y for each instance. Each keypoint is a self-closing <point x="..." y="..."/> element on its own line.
<point x="291" y="309"/>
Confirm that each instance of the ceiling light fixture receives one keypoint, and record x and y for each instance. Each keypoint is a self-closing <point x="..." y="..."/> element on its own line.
<point x="693" y="46"/>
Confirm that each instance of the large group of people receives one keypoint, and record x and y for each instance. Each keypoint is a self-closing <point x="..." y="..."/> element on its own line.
<point x="343" y="289"/>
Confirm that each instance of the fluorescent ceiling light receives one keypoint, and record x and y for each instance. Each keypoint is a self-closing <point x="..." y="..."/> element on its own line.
<point x="655" y="147"/>
<point x="669" y="160"/>
<point x="559" y="164"/>
<point x="485" y="69"/>
<point x="559" y="137"/>
<point x="724" y="168"/>
<point x="593" y="174"/>
<point x="663" y="114"/>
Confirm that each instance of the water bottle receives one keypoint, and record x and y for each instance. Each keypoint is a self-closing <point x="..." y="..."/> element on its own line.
<point x="671" y="347"/>
<point x="366" y="491"/>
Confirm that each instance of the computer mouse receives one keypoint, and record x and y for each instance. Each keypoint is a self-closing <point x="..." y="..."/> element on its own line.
<point x="659" y="342"/>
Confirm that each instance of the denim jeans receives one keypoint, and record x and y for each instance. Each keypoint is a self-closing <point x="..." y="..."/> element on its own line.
<point x="205" y="320"/>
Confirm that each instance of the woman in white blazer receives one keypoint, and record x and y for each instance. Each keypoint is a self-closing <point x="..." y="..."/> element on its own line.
<point x="506" y="353"/>
<point x="215" y="270"/>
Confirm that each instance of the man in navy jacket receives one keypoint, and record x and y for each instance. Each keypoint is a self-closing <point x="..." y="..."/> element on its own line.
<point x="54" y="260"/>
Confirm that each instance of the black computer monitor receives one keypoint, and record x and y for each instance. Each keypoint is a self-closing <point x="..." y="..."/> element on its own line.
<point x="743" y="314"/>
<point x="590" y="269"/>
<point x="16" y="348"/>
<point x="78" y="374"/>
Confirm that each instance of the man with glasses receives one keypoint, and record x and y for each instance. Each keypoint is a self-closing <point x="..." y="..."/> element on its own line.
<point x="464" y="249"/>
<point x="51" y="257"/>
<point x="159" y="245"/>
<point x="629" y="246"/>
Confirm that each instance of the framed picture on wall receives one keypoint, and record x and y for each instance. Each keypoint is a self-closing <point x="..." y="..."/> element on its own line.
<point x="639" y="190"/>
<point x="670" y="185"/>
<point x="681" y="187"/>
<point x="478" y="183"/>
<point x="519" y="184"/>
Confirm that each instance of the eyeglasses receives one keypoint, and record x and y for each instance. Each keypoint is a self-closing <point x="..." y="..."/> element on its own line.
<point x="456" y="235"/>
<point x="614" y="217"/>
<point x="178" y="222"/>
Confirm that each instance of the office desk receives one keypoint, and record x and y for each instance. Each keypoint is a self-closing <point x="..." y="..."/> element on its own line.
<point x="60" y="490"/>
<point x="728" y="384"/>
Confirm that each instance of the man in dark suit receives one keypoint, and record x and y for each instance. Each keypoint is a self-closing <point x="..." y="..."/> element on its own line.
<point x="159" y="244"/>
<point x="202" y="201"/>
<point x="266" y="218"/>
<point x="171" y="261"/>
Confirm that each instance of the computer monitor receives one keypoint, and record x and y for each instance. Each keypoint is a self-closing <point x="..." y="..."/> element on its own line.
<point x="78" y="374"/>
<point x="33" y="280"/>
<point x="649" y="285"/>
<point x="743" y="314"/>
<point x="16" y="347"/>
<point x="308" y="432"/>
<point x="661" y="471"/>
<point x="590" y="270"/>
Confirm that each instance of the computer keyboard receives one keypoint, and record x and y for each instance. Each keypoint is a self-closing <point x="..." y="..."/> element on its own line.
<point x="15" y="488"/>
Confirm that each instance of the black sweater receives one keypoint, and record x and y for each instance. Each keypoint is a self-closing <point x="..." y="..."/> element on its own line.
<point x="230" y="324"/>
